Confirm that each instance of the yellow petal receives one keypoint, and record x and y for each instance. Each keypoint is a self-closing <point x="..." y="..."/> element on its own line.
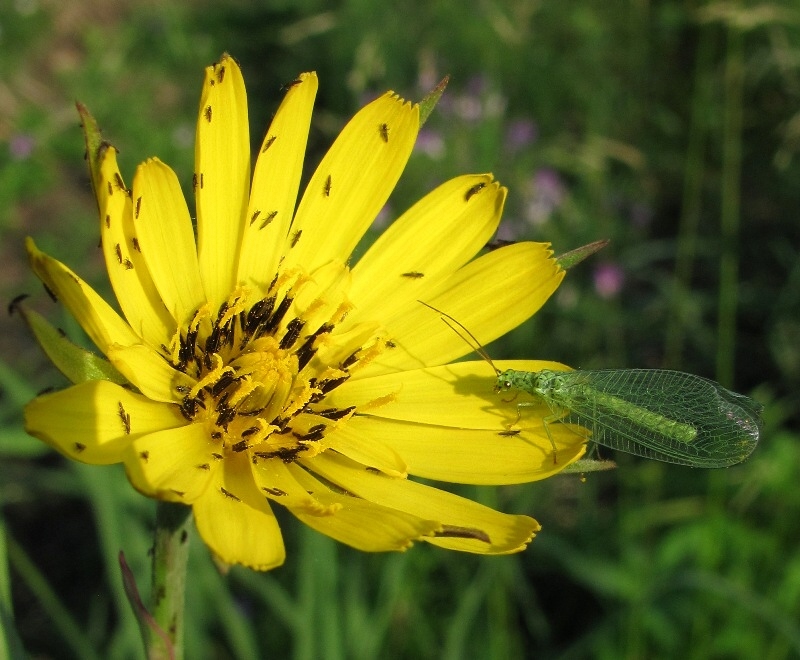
<point x="175" y="464"/>
<point x="455" y="222"/>
<point x="150" y="372"/>
<point x="235" y="520"/>
<point x="167" y="238"/>
<point x="276" y="481"/>
<point x="489" y="296"/>
<point x="95" y="422"/>
<point x="366" y="448"/>
<point x="481" y="529"/>
<point x="276" y="179"/>
<point x="352" y="183"/>
<point x="360" y="524"/>
<point x="507" y="535"/>
<point x="222" y="164"/>
<point x="460" y="395"/>
<point x="127" y="270"/>
<point x="323" y="293"/>
<point x="469" y="456"/>
<point x="103" y="325"/>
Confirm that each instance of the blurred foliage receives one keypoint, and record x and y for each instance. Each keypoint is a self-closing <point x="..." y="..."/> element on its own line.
<point x="671" y="128"/>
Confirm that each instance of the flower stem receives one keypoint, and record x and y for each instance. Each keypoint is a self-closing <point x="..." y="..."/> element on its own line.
<point x="170" y="553"/>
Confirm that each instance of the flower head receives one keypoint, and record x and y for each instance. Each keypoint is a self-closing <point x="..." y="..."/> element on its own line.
<point x="254" y="365"/>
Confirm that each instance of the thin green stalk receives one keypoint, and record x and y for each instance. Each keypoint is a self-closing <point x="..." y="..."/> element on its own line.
<point x="318" y="586"/>
<point x="731" y="189"/>
<point x="170" y="555"/>
<point x="692" y="202"/>
<point x="10" y="643"/>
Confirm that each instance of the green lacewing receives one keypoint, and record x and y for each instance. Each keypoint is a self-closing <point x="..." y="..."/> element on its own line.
<point x="663" y="415"/>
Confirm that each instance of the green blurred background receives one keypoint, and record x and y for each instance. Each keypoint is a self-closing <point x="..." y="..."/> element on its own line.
<point x="671" y="128"/>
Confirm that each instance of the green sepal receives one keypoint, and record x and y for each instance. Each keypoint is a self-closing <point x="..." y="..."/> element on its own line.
<point x="574" y="257"/>
<point x="95" y="145"/>
<point x="427" y="104"/>
<point x="76" y="363"/>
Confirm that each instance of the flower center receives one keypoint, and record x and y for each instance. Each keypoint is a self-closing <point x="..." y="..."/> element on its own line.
<point x="258" y="372"/>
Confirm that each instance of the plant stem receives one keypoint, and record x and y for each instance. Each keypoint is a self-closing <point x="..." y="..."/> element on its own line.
<point x="170" y="554"/>
<point x="731" y="195"/>
<point x="692" y="201"/>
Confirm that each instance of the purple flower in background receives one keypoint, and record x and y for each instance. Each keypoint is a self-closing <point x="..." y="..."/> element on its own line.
<point x="521" y="133"/>
<point x="548" y="192"/>
<point x="608" y="279"/>
<point x="430" y="143"/>
<point x="478" y="101"/>
<point x="183" y="136"/>
<point x="468" y="108"/>
<point x="507" y="231"/>
<point x="477" y="85"/>
<point x="21" y="146"/>
<point x="381" y="220"/>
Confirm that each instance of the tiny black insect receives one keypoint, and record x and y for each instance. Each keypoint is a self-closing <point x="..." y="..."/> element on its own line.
<point x="268" y="142"/>
<point x="474" y="191"/>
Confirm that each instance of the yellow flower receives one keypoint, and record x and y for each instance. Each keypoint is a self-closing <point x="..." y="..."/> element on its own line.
<point x="260" y="366"/>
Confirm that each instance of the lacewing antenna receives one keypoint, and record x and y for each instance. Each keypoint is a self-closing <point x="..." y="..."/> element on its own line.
<point x="458" y="328"/>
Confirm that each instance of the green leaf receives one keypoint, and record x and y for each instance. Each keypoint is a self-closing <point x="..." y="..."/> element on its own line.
<point x="95" y="145"/>
<point x="76" y="363"/>
<point x="574" y="257"/>
<point x="427" y="104"/>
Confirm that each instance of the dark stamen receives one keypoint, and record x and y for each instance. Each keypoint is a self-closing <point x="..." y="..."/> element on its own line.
<point x="335" y="413"/>
<point x="277" y="316"/>
<point x="221" y="384"/>
<point x="292" y="333"/>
